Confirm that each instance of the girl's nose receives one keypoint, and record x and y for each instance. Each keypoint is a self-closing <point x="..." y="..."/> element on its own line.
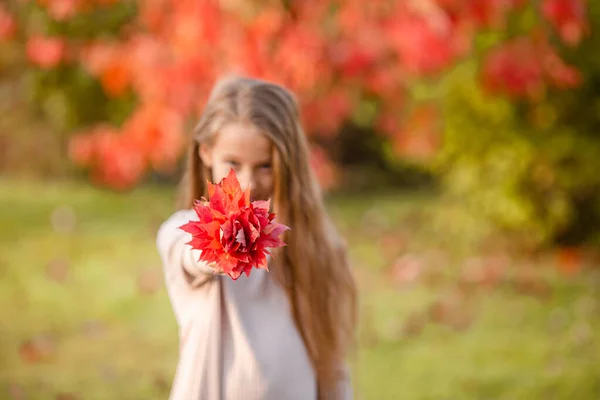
<point x="246" y="179"/>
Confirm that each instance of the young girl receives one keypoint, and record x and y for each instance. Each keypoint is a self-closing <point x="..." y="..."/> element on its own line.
<point x="275" y="335"/>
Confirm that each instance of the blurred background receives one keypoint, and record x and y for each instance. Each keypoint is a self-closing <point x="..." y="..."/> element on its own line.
<point x="458" y="142"/>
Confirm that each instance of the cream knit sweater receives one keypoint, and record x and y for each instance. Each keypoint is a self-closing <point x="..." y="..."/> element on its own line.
<point x="238" y="340"/>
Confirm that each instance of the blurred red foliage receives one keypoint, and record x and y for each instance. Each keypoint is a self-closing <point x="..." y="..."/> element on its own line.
<point x="331" y="54"/>
<point x="523" y="67"/>
<point x="8" y="25"/>
<point x="569" y="260"/>
<point x="568" y="18"/>
<point x="45" y="52"/>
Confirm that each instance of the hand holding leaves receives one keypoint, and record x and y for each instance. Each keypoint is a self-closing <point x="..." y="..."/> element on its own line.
<point x="232" y="232"/>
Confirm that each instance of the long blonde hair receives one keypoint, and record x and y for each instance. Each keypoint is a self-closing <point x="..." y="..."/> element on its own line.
<point x="313" y="267"/>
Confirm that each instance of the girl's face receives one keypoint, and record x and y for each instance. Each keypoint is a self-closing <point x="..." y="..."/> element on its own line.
<point x="248" y="152"/>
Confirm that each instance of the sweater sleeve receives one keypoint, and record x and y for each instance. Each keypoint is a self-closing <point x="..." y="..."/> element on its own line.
<point x="180" y="261"/>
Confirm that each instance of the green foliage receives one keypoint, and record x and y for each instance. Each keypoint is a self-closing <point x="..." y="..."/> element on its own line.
<point x="531" y="168"/>
<point x="68" y="96"/>
<point x="47" y="106"/>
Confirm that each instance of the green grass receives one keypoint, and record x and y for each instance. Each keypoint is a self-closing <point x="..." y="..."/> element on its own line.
<point x="108" y="336"/>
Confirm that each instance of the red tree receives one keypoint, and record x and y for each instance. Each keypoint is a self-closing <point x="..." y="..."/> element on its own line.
<point x="333" y="54"/>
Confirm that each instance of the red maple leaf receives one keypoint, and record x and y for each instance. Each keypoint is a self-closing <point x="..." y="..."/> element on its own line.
<point x="232" y="232"/>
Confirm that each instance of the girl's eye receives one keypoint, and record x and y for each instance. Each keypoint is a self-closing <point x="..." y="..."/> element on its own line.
<point x="265" y="167"/>
<point x="233" y="164"/>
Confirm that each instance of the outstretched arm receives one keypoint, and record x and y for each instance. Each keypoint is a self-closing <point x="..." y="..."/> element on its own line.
<point x="177" y="256"/>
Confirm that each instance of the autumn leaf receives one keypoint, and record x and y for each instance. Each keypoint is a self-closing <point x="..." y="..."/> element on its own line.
<point x="569" y="260"/>
<point x="231" y="232"/>
<point x="38" y="349"/>
<point x="58" y="270"/>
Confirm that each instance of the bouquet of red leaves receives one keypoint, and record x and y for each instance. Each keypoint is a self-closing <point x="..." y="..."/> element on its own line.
<point x="232" y="232"/>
